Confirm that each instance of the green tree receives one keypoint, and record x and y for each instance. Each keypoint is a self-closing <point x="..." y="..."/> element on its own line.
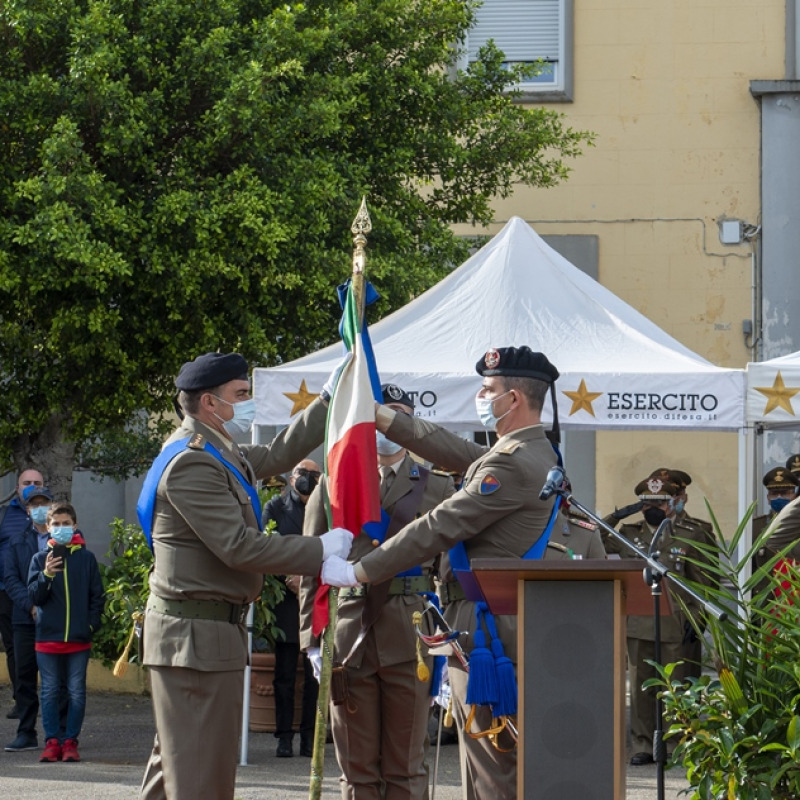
<point x="180" y="177"/>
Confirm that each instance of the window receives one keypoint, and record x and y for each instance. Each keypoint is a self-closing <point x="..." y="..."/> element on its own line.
<point x="529" y="31"/>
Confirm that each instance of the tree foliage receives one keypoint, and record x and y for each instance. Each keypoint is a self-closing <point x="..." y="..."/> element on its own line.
<point x="181" y="177"/>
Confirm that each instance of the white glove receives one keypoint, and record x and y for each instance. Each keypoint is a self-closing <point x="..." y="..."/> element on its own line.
<point x="338" y="572"/>
<point x="330" y="384"/>
<point x="315" y="657"/>
<point x="336" y="542"/>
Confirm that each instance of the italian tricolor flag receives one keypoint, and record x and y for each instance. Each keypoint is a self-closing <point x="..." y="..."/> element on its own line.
<point x="351" y="457"/>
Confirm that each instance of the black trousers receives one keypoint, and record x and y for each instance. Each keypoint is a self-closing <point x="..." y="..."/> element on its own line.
<point x="7" y="634"/>
<point x="286" y="655"/>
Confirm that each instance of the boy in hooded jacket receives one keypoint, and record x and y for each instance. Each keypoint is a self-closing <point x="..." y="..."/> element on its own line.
<point x="64" y="583"/>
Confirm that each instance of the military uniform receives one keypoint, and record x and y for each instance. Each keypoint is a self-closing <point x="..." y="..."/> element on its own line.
<point x="780" y="484"/>
<point x="576" y="533"/>
<point x="380" y="731"/>
<point x="209" y="558"/>
<point x="786" y="531"/>
<point x="497" y="513"/>
<point x="675" y="552"/>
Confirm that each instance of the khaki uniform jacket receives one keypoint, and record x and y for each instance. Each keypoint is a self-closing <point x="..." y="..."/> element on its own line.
<point x="673" y="550"/>
<point x="578" y="535"/>
<point x="394" y="633"/>
<point x="207" y="544"/>
<point x="497" y="513"/>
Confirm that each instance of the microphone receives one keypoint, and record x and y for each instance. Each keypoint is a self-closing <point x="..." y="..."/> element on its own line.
<point x="554" y="482"/>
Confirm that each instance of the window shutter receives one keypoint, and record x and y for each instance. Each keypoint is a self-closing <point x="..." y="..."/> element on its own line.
<point x="525" y="30"/>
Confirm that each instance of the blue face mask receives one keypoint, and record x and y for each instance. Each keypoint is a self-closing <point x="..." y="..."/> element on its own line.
<point x="62" y="534"/>
<point x="39" y="514"/>
<point x="778" y="503"/>
<point x="679" y="506"/>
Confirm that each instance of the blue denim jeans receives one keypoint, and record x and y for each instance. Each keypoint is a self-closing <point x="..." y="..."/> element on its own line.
<point x="55" y="670"/>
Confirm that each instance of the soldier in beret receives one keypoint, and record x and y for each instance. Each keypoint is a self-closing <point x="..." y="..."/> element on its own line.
<point x="380" y="731"/>
<point x="677" y="551"/>
<point x="200" y="507"/>
<point x="496" y="513"/>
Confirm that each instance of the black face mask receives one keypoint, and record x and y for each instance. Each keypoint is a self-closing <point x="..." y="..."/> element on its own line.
<point x="304" y="484"/>
<point x="654" y="516"/>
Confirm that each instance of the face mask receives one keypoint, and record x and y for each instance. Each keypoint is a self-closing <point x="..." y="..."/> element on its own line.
<point x="654" y="516"/>
<point x="39" y="514"/>
<point x="778" y="503"/>
<point x="244" y="412"/>
<point x="484" y="407"/>
<point x="62" y="534"/>
<point x="385" y="446"/>
<point x="679" y="505"/>
<point x="304" y="484"/>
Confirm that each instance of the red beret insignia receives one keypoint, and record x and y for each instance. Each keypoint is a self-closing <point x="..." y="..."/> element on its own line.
<point x="491" y="359"/>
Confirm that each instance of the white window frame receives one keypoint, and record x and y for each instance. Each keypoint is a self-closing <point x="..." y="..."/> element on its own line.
<point x="500" y="15"/>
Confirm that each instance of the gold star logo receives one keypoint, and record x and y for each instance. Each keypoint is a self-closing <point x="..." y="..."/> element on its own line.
<point x="300" y="399"/>
<point x="778" y="396"/>
<point x="582" y="399"/>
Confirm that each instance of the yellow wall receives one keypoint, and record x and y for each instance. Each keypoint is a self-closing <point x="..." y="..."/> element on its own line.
<point x="665" y="87"/>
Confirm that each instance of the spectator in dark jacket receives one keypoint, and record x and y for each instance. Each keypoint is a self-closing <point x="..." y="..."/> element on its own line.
<point x="21" y="550"/>
<point x="13" y="520"/>
<point x="64" y="583"/>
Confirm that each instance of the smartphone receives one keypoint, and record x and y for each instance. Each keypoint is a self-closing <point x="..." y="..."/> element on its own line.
<point x="60" y="551"/>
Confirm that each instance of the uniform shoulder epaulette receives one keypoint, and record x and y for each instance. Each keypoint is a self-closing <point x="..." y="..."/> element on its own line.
<point x="197" y="442"/>
<point x="442" y="473"/>
<point x="558" y="546"/>
<point x="509" y="447"/>
<point x="584" y="523"/>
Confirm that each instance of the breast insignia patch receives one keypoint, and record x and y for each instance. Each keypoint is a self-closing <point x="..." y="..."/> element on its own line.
<point x="489" y="485"/>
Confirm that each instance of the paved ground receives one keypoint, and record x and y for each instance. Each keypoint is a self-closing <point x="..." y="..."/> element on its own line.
<point x="116" y="741"/>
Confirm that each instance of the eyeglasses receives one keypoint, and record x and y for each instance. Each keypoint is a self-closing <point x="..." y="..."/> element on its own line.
<point x="301" y="472"/>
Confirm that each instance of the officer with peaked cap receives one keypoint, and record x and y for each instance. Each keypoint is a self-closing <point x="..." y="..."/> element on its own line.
<point x="781" y="485"/>
<point x="677" y="552"/>
<point x="793" y="465"/>
<point x="496" y="513"/>
<point x="692" y="645"/>
<point x="201" y="509"/>
<point x="380" y="731"/>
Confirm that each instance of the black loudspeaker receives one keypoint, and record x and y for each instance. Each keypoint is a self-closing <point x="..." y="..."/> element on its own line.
<point x="571" y="682"/>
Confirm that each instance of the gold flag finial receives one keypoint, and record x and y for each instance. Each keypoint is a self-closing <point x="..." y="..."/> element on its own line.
<point x="361" y="226"/>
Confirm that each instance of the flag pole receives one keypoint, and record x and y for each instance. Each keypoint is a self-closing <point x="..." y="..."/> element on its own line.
<point x="361" y="226"/>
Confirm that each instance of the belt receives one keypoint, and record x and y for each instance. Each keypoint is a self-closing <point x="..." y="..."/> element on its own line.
<point x="217" y="610"/>
<point x="412" y="584"/>
<point x="449" y="592"/>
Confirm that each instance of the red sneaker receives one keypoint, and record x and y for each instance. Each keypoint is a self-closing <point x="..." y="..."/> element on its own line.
<point x="69" y="752"/>
<point x="52" y="751"/>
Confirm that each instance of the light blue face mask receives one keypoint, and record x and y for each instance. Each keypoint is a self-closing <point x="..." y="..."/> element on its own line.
<point x="244" y="412"/>
<point x="39" y="514"/>
<point x="485" y="408"/>
<point x="679" y="506"/>
<point x="385" y="446"/>
<point x="62" y="534"/>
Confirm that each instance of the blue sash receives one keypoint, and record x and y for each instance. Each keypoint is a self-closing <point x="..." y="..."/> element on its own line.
<point x="377" y="531"/>
<point x="145" y="507"/>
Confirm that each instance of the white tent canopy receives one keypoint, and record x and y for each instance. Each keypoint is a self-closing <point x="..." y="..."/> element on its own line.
<point x="618" y="369"/>
<point x="773" y="392"/>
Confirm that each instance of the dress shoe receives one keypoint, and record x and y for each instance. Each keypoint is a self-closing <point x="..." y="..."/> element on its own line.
<point x="306" y="748"/>
<point x="22" y="742"/>
<point x="640" y="759"/>
<point x="284" y="749"/>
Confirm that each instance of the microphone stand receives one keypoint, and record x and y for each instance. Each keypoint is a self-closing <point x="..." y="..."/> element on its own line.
<point x="653" y="574"/>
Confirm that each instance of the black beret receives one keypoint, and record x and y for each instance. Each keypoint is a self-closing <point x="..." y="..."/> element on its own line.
<point x="517" y="362"/>
<point x="211" y="369"/>
<point x="394" y="394"/>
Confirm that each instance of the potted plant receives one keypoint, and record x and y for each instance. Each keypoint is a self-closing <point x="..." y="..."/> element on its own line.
<point x="738" y="729"/>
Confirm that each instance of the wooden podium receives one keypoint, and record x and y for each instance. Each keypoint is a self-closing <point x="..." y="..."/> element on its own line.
<point x="571" y="669"/>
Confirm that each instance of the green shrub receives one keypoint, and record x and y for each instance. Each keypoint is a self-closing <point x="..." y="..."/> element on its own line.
<point x="738" y="729"/>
